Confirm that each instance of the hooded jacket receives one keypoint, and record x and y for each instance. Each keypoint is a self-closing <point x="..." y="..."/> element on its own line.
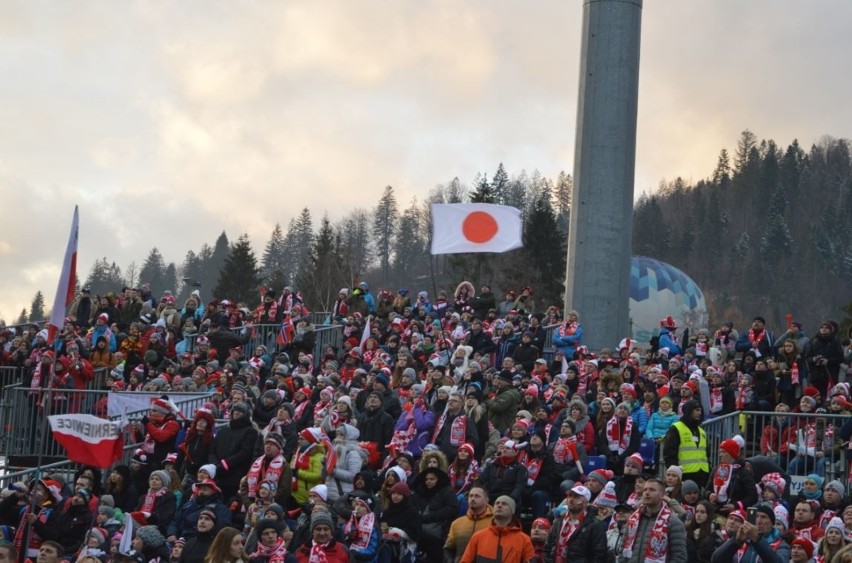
<point x="349" y="461"/>
<point x="506" y="544"/>
<point x="438" y="505"/>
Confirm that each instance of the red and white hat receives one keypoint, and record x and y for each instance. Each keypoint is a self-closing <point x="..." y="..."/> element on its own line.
<point x="103" y="317"/>
<point x="161" y="406"/>
<point x="311" y="435"/>
<point x="636" y="459"/>
<point x="668" y="322"/>
<point x="468" y="448"/>
<point x="607" y="497"/>
<point x="522" y="422"/>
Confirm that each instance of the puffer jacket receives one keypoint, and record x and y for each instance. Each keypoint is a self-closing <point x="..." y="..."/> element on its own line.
<point x="349" y="462"/>
<point x="508" y="544"/>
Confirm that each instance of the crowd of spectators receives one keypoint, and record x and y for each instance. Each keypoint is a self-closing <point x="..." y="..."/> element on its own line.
<point x="438" y="431"/>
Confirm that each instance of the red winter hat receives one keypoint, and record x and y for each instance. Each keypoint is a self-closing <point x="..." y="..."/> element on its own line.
<point x="523" y="424"/>
<point x="207" y="483"/>
<point x="637" y="459"/>
<point x="468" y="448"/>
<point x="811" y="391"/>
<point x="532" y="391"/>
<point x="805" y="544"/>
<point x="668" y="322"/>
<point x="161" y="406"/>
<point x="542" y="523"/>
<point x="731" y="447"/>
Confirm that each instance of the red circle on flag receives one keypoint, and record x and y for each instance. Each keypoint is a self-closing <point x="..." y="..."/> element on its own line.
<point x="479" y="227"/>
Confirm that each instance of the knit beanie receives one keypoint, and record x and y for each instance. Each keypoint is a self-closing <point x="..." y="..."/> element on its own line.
<point x="607" y="497"/>
<point x="151" y="537"/>
<point x="731" y="447"/>
<point x="164" y="477"/>
<point x="689" y="486"/>
<point x="837" y="487"/>
<point x="602" y="476"/>
<point x="508" y="500"/>
<point x="676" y="469"/>
<point x="321" y="517"/>
<point x="635" y="459"/>
<point x="210" y="469"/>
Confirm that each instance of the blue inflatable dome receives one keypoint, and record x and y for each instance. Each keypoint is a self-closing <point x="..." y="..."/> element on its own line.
<point x="658" y="290"/>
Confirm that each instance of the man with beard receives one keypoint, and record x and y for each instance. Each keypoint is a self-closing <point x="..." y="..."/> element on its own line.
<point x="505" y="475"/>
<point x="568" y="453"/>
<point x="196" y="548"/>
<point x="686" y="445"/>
<point x="232" y="449"/>
<point x="756" y="340"/>
<point x="577" y="535"/>
<point x="454" y="428"/>
<point x="478" y="517"/>
<point x="503" y="407"/>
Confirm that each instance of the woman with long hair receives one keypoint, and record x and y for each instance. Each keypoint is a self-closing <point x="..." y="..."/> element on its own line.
<point x="832" y="542"/>
<point x="195" y="449"/>
<point x="120" y="485"/>
<point x="606" y="411"/>
<point x="700" y="542"/>
<point x="463" y="472"/>
<point x="227" y="547"/>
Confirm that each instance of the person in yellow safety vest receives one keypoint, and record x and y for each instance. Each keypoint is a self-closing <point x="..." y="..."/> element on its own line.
<point x="685" y="444"/>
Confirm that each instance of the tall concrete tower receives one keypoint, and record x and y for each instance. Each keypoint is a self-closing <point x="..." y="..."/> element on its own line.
<point x="599" y="239"/>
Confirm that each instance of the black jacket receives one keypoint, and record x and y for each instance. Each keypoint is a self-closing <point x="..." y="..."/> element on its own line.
<point x="587" y="544"/>
<point x="234" y="444"/>
<point x="437" y="506"/>
<point x="501" y="479"/>
<point x="196" y="548"/>
<point x="403" y="516"/>
<point x="376" y="426"/>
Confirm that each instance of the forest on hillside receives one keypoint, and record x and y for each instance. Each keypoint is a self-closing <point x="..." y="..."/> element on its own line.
<point x="767" y="233"/>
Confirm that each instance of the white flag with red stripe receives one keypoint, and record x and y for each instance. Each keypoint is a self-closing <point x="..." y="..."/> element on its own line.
<point x="367" y="331"/>
<point x="87" y="439"/>
<point x="65" y="289"/>
<point x="475" y="227"/>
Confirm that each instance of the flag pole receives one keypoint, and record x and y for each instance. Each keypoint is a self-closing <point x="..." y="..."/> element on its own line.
<point x="64" y="295"/>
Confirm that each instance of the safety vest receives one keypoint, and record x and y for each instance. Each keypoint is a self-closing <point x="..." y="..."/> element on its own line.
<point x="692" y="458"/>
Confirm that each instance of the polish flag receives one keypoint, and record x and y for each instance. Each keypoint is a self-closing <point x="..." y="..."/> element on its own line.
<point x="65" y="289"/>
<point x="366" y="334"/>
<point x="87" y="439"/>
<point x="475" y="227"/>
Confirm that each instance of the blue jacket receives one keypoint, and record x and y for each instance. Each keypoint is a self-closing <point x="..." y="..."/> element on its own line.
<point x="666" y="341"/>
<point x="640" y="417"/>
<point x="568" y="343"/>
<point x="659" y="424"/>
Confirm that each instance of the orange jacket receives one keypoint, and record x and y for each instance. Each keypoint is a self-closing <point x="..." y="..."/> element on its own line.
<point x="507" y="544"/>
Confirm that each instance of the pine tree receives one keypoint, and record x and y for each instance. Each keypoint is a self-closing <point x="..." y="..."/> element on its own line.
<point x="482" y="191"/>
<point x="213" y="260"/>
<point x="355" y="253"/>
<point x="410" y="254"/>
<point x="190" y="271"/>
<point x="131" y="277"/>
<point x="385" y="218"/>
<point x="170" y="281"/>
<point x="273" y="261"/>
<point x="516" y="194"/>
<point x="153" y="272"/>
<point x="238" y="280"/>
<point x="722" y="173"/>
<point x="544" y="247"/>
<point x="23" y="317"/>
<point x="37" y="308"/>
<point x="322" y="278"/>
<point x="499" y="184"/>
<point x="562" y="194"/>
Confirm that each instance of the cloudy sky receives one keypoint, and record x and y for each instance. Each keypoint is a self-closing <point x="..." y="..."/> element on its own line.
<point x="169" y="122"/>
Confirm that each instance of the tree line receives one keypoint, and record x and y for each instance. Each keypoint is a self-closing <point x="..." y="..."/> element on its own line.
<point x="768" y="233"/>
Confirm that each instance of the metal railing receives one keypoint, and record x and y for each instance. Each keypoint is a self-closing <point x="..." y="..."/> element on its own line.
<point x="23" y="411"/>
<point x="800" y="443"/>
<point x="267" y="335"/>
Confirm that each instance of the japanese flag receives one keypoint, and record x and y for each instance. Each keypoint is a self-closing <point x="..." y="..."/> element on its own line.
<point x="475" y="227"/>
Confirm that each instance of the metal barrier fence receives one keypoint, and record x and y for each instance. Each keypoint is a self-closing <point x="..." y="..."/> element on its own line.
<point x="801" y="443"/>
<point x="25" y="432"/>
<point x="267" y="335"/>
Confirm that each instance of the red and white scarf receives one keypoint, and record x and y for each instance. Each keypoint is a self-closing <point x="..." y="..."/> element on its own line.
<point x="569" y="329"/>
<point x="149" y="501"/>
<point x="743" y="395"/>
<point x="363" y="527"/>
<point x="533" y="465"/>
<point x="458" y="429"/>
<point x="657" y="546"/>
<point x="273" y="473"/>
<point x="275" y="554"/>
<point x="755" y="337"/>
<point x="794" y="373"/>
<point x="717" y="403"/>
<point x="826" y="517"/>
<point x="618" y="441"/>
<point x="34" y="539"/>
<point x="321" y="409"/>
<point x="565" y="450"/>
<point x="566" y="532"/>
<point x="722" y="480"/>
<point x="401" y="438"/>
<point x="462" y="482"/>
<point x="299" y="410"/>
<point x="318" y="552"/>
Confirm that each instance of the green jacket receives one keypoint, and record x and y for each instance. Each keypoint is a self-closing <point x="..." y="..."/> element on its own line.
<point x="503" y="408"/>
